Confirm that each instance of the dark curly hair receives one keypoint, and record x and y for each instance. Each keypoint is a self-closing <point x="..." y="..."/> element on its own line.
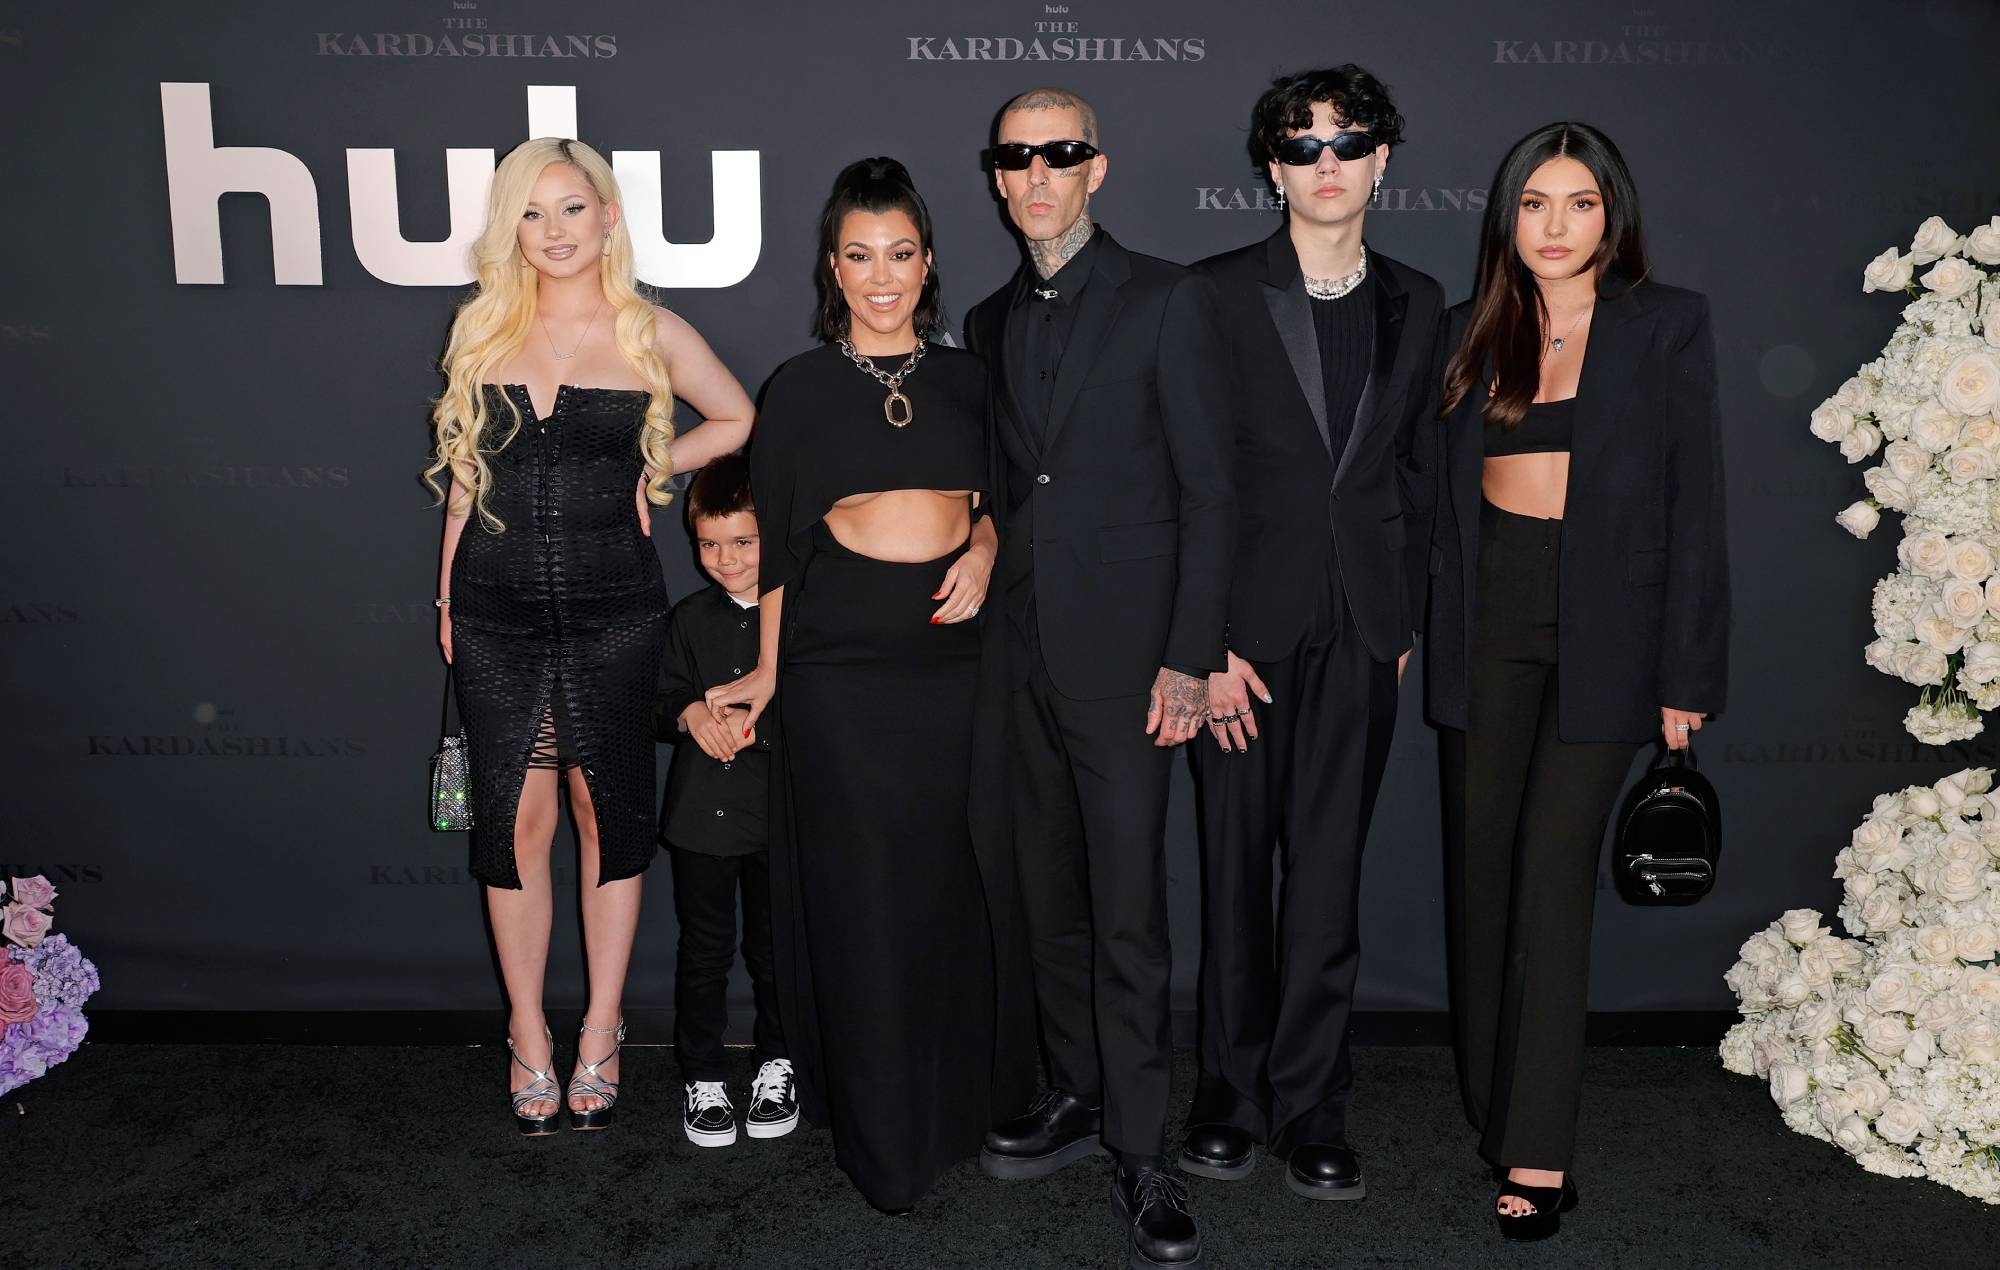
<point x="1359" y="100"/>
<point x="872" y="185"/>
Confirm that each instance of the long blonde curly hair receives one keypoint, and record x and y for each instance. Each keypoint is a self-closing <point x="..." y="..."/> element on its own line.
<point x="494" y="322"/>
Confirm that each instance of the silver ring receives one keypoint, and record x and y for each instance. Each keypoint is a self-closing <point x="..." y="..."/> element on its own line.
<point x="1680" y="727"/>
<point x="973" y="611"/>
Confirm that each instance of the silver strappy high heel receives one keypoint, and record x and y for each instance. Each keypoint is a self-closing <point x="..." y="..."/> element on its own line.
<point x="541" y="1089"/>
<point x="590" y="1083"/>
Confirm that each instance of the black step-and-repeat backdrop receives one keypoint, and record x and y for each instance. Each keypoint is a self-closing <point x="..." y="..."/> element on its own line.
<point x="235" y="235"/>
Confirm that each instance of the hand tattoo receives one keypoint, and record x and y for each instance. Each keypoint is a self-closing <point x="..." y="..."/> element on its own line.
<point x="1185" y="697"/>
<point x="1056" y="252"/>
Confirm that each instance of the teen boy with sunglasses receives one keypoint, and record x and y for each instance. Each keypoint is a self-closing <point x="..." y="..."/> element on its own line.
<point x="1336" y="356"/>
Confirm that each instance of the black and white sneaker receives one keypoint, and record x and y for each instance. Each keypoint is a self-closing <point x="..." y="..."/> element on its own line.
<point x="710" y="1119"/>
<point x="774" y="1103"/>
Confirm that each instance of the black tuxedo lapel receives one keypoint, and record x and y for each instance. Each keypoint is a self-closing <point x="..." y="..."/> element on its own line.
<point x="1096" y="309"/>
<point x="1619" y="332"/>
<point x="1380" y="394"/>
<point x="1291" y="313"/>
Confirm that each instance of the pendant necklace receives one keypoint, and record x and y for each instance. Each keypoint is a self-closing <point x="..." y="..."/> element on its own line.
<point x="1334" y="288"/>
<point x="1557" y="343"/>
<point x="895" y="404"/>
<point x="559" y="354"/>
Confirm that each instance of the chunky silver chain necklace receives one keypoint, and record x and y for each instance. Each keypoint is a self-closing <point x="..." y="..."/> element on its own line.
<point x="896" y="403"/>
<point x="1334" y="288"/>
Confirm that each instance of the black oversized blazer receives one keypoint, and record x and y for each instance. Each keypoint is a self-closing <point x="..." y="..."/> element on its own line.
<point x="1643" y="579"/>
<point x="1121" y="514"/>
<point x="1373" y="503"/>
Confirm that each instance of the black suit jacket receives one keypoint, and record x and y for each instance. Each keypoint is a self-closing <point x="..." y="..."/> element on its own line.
<point x="1371" y="505"/>
<point x="1643" y="620"/>
<point x="1119" y="521"/>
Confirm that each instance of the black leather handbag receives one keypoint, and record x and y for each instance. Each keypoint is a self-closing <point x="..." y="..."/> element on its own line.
<point x="1669" y="834"/>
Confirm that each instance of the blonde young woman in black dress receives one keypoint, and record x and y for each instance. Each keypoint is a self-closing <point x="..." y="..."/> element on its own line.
<point x="554" y="430"/>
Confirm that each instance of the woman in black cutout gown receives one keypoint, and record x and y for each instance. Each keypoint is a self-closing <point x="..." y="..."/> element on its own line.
<point x="895" y="927"/>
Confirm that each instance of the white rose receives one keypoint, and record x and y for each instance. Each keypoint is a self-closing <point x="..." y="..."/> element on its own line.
<point x="1902" y="1122"/>
<point x="1815" y="1020"/>
<point x="1844" y="955"/>
<point x="1937" y="1012"/>
<point x="1852" y="1136"/>
<point x="1789" y="1083"/>
<point x="1981" y="984"/>
<point x="1973" y="1040"/>
<point x="1962" y="603"/>
<point x="1888" y="489"/>
<point x="1935" y="946"/>
<point x="1906" y="460"/>
<point x="1955" y="880"/>
<point x="1964" y="463"/>
<point x="1934" y="238"/>
<point x="1892" y="991"/>
<point x="1881" y="654"/>
<point x="1982" y="660"/>
<point x="1854" y="394"/>
<point x="1889" y="271"/>
<point x="1927" y="553"/>
<point x="1952" y="277"/>
<point x="1979" y="941"/>
<point x="1971" y="384"/>
<point x="1920" y="1049"/>
<point x="1882" y="911"/>
<point x="1859" y="519"/>
<point x="1925" y="666"/>
<point x="1800" y="926"/>
<point x="1862" y="440"/>
<point x="1831" y="422"/>
<point x="1993" y="593"/>
<point x="1885" y="1034"/>
<point x="1791" y="990"/>
<point x="1921" y="802"/>
<point x="1935" y="426"/>
<point x="1984" y="431"/>
<point x="1983" y="243"/>
<point x="1870" y="1094"/>
<point x="1873" y="841"/>
<point x="1960" y="844"/>
<point x="1939" y="631"/>
<point x="1970" y="558"/>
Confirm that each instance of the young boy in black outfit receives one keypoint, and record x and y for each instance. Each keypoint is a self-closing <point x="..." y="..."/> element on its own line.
<point x="714" y="821"/>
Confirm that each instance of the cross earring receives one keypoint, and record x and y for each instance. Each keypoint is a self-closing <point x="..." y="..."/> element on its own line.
<point x="1281" y="198"/>
<point x="1376" y="197"/>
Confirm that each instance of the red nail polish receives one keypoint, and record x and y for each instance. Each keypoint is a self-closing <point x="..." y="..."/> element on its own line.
<point x="934" y="621"/>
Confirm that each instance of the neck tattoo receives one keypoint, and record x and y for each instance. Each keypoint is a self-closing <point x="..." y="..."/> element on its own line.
<point x="1058" y="251"/>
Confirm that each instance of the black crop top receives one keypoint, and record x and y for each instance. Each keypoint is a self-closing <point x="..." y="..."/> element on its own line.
<point x="1545" y="429"/>
<point x="821" y="436"/>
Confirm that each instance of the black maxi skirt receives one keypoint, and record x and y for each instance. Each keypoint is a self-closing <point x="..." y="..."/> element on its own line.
<point x="895" y="923"/>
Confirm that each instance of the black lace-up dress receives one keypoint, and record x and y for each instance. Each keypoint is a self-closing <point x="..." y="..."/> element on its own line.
<point x="558" y="624"/>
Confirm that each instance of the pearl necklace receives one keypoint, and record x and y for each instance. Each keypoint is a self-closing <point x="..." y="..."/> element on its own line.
<point x="1334" y="288"/>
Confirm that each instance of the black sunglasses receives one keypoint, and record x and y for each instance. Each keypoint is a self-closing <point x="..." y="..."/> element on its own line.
<point x="1300" y="152"/>
<point x="1015" y="156"/>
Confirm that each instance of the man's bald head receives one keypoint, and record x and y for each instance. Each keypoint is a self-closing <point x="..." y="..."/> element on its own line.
<point x="1056" y="99"/>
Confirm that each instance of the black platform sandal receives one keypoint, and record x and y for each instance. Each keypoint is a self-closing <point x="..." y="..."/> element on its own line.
<point x="1545" y="1219"/>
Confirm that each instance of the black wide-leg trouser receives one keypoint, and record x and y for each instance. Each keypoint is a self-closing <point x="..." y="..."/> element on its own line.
<point x="1525" y="813"/>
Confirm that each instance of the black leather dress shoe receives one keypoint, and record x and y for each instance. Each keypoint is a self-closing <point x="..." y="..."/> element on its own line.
<point x="1153" y="1204"/>
<point x="1058" y="1130"/>
<point x="1320" y="1170"/>
<point x="1220" y="1151"/>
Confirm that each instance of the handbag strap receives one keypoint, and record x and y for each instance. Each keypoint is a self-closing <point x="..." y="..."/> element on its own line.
<point x="451" y="724"/>
<point x="1677" y="758"/>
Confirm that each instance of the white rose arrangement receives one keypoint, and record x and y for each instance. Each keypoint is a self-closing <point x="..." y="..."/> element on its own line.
<point x="1887" y="1044"/>
<point x="1927" y="406"/>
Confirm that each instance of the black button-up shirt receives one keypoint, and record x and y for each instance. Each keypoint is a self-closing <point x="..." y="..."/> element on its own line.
<point x="1038" y="333"/>
<point x="713" y="808"/>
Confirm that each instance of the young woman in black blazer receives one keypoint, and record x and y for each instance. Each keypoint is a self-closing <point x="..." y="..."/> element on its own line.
<point x="1579" y="607"/>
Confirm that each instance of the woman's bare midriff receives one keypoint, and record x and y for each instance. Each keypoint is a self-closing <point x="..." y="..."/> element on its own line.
<point x="1527" y="484"/>
<point x="908" y="526"/>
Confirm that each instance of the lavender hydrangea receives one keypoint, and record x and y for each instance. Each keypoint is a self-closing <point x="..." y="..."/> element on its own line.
<point x="27" y="1050"/>
<point x="63" y="975"/>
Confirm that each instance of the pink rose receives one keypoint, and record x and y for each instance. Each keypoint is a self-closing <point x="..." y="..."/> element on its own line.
<point x="23" y="925"/>
<point x="35" y="892"/>
<point x="17" y="993"/>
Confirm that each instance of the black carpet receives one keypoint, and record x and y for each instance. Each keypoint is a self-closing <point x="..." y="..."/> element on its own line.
<point x="143" y="1155"/>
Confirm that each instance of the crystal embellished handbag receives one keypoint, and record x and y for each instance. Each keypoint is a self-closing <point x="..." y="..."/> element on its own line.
<point x="451" y="797"/>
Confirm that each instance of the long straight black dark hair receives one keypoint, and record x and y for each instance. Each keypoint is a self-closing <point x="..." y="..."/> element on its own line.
<point x="872" y="185"/>
<point x="1510" y="321"/>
